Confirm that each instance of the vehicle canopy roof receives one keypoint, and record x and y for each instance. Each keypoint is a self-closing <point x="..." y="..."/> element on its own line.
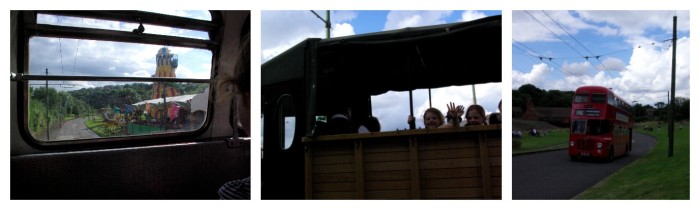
<point x="398" y="60"/>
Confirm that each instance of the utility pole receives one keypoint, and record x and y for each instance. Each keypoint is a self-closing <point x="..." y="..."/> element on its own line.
<point x="673" y="92"/>
<point x="326" y="22"/>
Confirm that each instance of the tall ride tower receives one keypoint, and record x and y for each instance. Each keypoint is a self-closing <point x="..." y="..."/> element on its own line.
<point x="166" y="65"/>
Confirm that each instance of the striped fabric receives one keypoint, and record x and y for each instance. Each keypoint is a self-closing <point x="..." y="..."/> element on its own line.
<point x="236" y="190"/>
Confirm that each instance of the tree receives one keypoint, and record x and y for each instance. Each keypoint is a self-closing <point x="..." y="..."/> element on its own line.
<point x="660" y="105"/>
<point x="679" y="109"/>
<point x="535" y="93"/>
<point x="639" y="112"/>
<point x="685" y="109"/>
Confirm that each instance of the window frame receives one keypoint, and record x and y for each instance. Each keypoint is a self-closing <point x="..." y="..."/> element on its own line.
<point x="28" y="27"/>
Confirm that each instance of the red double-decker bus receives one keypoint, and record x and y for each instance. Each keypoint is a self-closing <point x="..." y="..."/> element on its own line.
<point x="601" y="124"/>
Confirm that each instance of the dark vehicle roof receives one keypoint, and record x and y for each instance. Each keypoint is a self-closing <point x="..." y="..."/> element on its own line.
<point x="398" y="60"/>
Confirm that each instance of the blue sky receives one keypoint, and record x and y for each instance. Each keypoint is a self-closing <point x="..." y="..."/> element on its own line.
<point x="630" y="51"/>
<point x="283" y="29"/>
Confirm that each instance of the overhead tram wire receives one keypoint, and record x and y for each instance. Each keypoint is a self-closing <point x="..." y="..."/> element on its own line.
<point x="562" y="40"/>
<point x="75" y="59"/>
<point x="77" y="47"/>
<point x="579" y="43"/>
<point x="638" y="46"/>
<point x="545" y="59"/>
<point x="555" y="35"/>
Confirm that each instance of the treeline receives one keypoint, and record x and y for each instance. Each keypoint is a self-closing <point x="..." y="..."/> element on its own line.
<point x="660" y="110"/>
<point x="111" y="95"/>
<point x="541" y="98"/>
<point x="49" y="108"/>
<point x="556" y="98"/>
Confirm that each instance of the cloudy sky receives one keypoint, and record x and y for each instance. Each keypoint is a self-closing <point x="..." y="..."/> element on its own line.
<point x="629" y="51"/>
<point x="73" y="57"/>
<point x="284" y="29"/>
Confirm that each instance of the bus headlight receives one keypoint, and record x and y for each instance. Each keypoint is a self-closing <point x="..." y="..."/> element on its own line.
<point x="571" y="143"/>
<point x="599" y="145"/>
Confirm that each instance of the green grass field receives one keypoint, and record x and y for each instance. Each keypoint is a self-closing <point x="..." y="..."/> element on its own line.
<point x="557" y="139"/>
<point x="136" y="129"/>
<point x="655" y="176"/>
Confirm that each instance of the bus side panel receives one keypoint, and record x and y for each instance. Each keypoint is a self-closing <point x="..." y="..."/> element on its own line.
<point x="181" y="171"/>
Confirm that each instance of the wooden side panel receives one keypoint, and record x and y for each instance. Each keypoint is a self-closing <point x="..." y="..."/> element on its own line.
<point x="332" y="171"/>
<point x="450" y="167"/>
<point x="494" y="153"/>
<point x="387" y="168"/>
<point x="465" y="164"/>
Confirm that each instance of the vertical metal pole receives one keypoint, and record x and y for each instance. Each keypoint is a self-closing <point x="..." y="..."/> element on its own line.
<point x="430" y="98"/>
<point x="673" y="92"/>
<point x="474" y="93"/>
<point x="411" y="125"/>
<point x="48" y="119"/>
<point x="165" y="109"/>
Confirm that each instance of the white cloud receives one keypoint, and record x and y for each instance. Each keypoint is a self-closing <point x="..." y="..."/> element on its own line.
<point x="284" y="29"/>
<point x="576" y="68"/>
<point x="612" y="64"/>
<point x="632" y="23"/>
<point x="538" y="76"/>
<point x="607" y="31"/>
<point x="342" y="29"/>
<point x="470" y="15"/>
<point x="403" y="19"/>
<point x="527" y="29"/>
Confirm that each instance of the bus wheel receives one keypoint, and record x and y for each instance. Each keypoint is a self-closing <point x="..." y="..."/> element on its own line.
<point x="611" y="153"/>
<point x="573" y="157"/>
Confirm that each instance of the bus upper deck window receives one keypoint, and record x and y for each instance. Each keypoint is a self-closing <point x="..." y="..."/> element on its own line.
<point x="581" y="98"/>
<point x="598" y="98"/>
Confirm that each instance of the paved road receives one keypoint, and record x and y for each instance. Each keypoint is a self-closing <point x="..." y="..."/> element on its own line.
<point x="75" y="129"/>
<point x="552" y="175"/>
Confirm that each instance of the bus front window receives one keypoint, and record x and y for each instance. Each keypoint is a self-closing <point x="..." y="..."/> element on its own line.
<point x="578" y="126"/>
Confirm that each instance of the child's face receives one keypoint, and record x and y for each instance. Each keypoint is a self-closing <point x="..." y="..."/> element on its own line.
<point x="474" y="118"/>
<point x="431" y="120"/>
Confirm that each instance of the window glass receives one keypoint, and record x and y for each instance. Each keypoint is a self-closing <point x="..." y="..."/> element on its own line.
<point x="611" y="99"/>
<point x="79" y="57"/>
<point x="581" y="98"/>
<point x="93" y="108"/>
<point x="578" y="126"/>
<point x="194" y="14"/>
<point x="93" y="23"/>
<point x="598" y="98"/>
<point x="287" y="117"/>
<point x="99" y="110"/>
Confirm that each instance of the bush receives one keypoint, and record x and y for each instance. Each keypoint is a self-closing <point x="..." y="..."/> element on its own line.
<point x="516" y="143"/>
